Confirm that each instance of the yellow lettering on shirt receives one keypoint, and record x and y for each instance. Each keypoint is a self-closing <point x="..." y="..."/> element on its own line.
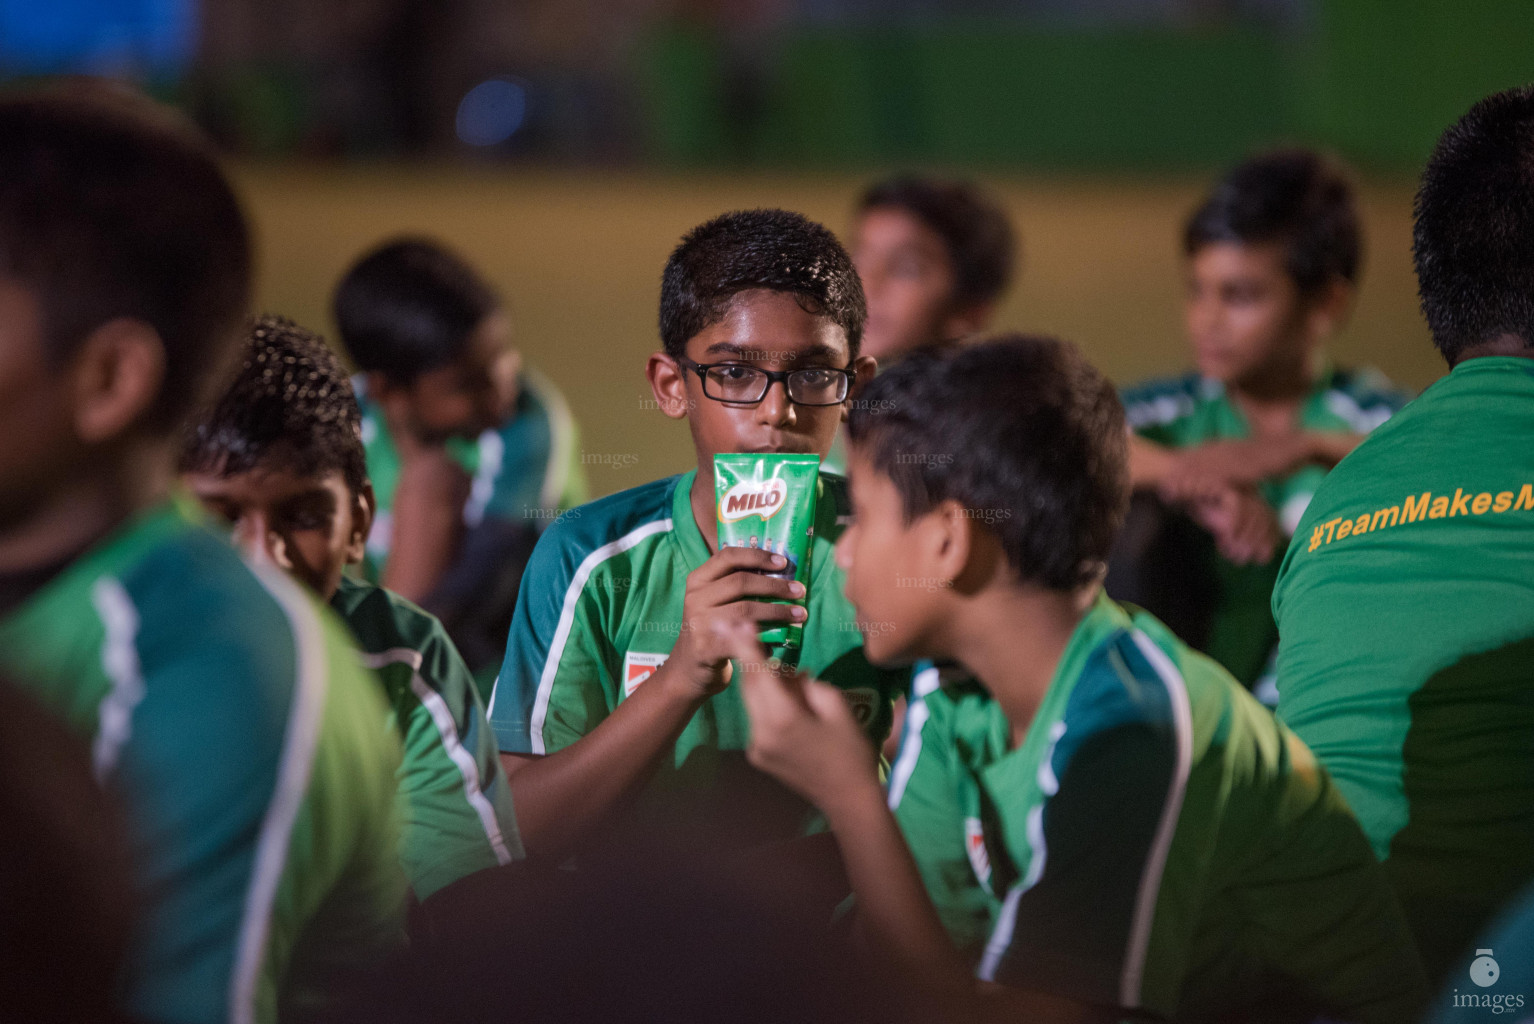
<point x="1417" y="507"/>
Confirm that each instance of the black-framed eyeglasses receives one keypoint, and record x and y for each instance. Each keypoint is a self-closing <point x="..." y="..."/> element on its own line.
<point x="739" y="384"/>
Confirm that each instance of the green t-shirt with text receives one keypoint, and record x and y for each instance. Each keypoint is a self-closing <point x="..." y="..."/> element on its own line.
<point x="1157" y="841"/>
<point x="253" y="756"/>
<point x="1406" y="611"/>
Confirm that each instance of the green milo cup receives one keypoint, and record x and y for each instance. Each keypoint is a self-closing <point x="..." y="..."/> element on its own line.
<point x="768" y="502"/>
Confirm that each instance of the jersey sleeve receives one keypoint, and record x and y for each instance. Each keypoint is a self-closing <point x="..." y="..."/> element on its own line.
<point x="1077" y="924"/>
<point x="1159" y="411"/>
<point x="455" y="802"/>
<point x="923" y="794"/>
<point x="557" y="681"/>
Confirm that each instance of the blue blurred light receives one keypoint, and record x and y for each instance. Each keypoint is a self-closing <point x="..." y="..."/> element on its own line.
<point x="492" y="111"/>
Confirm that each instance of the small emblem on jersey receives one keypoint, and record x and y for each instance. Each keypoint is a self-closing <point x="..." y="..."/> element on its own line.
<point x="637" y="667"/>
<point x="974" y="845"/>
<point x="863" y="702"/>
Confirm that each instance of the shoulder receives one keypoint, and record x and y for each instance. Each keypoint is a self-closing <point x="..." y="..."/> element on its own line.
<point x="1165" y="400"/>
<point x="382" y="620"/>
<point x="1363" y="397"/>
<point x="616" y="521"/>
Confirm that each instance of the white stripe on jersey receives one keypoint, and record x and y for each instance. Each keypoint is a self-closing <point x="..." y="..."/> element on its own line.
<point x="1155" y="863"/>
<point x="910" y="748"/>
<point x="442" y="718"/>
<point x="567" y="620"/>
<point x="119" y="659"/>
<point x="298" y="748"/>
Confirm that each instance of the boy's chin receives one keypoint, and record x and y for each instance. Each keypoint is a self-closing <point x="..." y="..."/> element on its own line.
<point x="884" y="649"/>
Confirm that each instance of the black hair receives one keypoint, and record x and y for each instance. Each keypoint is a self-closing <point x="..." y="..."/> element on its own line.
<point x="973" y="226"/>
<point x="772" y="249"/>
<point x="1473" y="241"/>
<point x="1294" y="197"/>
<point x="288" y="404"/>
<point x="1020" y="430"/>
<point x="111" y="207"/>
<point x="409" y="307"/>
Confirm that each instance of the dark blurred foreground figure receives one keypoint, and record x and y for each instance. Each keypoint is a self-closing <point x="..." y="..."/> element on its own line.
<point x="65" y="906"/>
<point x="250" y="749"/>
<point x="1406" y="601"/>
<point x="656" y="929"/>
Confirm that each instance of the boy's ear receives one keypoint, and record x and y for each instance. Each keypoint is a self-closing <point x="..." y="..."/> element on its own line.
<point x="668" y="382"/>
<point x="364" y="506"/>
<point x="118" y="372"/>
<point x="865" y="368"/>
<point x="965" y="555"/>
<point x="1330" y="309"/>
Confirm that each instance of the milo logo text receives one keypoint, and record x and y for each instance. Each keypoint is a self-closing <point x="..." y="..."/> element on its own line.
<point x="763" y="498"/>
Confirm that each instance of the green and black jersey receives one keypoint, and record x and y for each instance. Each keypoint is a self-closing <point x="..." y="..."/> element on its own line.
<point x="455" y="806"/>
<point x="1157" y="841"/>
<point x="252" y="753"/>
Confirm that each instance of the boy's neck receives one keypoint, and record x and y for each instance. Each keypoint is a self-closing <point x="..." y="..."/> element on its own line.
<point x="86" y="509"/>
<point x="1271" y="399"/>
<point x="1012" y="638"/>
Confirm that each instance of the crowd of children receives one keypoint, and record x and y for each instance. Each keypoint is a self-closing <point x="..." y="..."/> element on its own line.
<point x="314" y="707"/>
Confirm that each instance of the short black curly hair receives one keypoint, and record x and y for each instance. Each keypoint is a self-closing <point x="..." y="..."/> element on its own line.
<point x="772" y="249"/>
<point x="972" y="224"/>
<point x="289" y="405"/>
<point x="1473" y="239"/>
<point x="1023" y="432"/>
<point x="1296" y="198"/>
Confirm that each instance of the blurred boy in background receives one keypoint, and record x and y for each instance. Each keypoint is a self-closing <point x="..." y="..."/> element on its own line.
<point x="279" y="456"/>
<point x="225" y="707"/>
<point x="470" y="452"/>
<point x="613" y="682"/>
<point x="1241" y="444"/>
<point x="1101" y="819"/>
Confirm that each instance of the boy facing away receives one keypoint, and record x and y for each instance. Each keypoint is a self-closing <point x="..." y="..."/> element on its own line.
<point x="613" y="680"/>
<point x="1241" y="444"/>
<point x="1102" y="820"/>
<point x="231" y="714"/>
<point x="279" y="456"/>
<point x="470" y="452"/>
<point x="1406" y="600"/>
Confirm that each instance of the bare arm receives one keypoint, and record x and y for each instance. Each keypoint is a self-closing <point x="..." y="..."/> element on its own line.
<point x="428" y="520"/>
<point x="1149" y="463"/>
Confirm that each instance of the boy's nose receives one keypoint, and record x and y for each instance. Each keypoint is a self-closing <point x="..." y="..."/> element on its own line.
<point x="775" y="408"/>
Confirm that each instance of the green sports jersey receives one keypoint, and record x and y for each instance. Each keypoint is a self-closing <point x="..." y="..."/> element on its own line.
<point x="1190" y="410"/>
<point x="601" y="607"/>
<point x="252" y="754"/>
<point x="455" y="806"/>
<point x="1157" y="840"/>
<point x="528" y="468"/>
<point x="1406" y="608"/>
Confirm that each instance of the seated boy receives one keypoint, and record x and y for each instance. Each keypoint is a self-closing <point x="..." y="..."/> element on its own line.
<point x="1406" y="600"/>
<point x="612" y="678"/>
<point x="1242" y="443"/>
<point x="470" y="452"/>
<point x="1106" y="821"/>
<point x="934" y="257"/>
<point x="279" y="455"/>
<point x="231" y="714"/>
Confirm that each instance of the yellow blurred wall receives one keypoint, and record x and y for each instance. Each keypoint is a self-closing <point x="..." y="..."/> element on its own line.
<point x="580" y="255"/>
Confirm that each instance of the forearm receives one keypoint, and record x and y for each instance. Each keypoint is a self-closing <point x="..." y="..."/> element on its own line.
<point x="562" y="797"/>
<point x="1328" y="449"/>
<point x="1149" y="463"/>
<point x="895" y="914"/>
<point x="425" y="537"/>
